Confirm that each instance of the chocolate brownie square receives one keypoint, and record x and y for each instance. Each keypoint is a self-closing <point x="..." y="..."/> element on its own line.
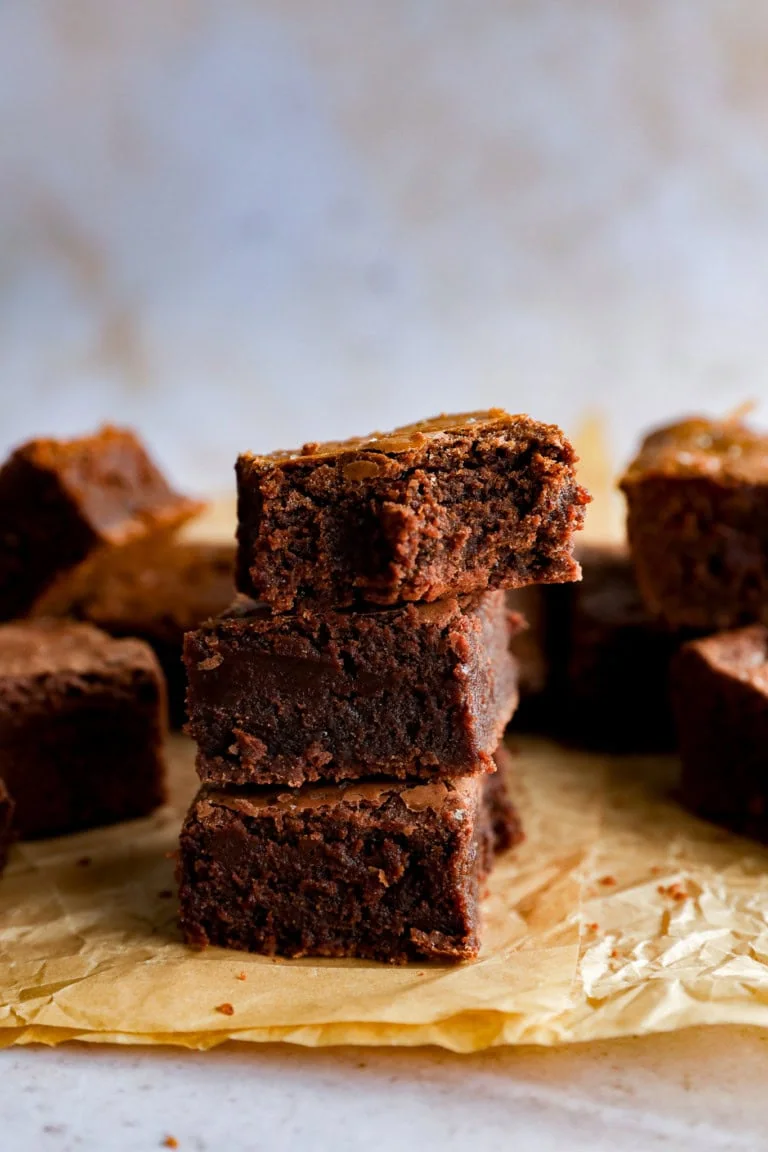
<point x="61" y="501"/>
<point x="455" y="504"/>
<point x="378" y="870"/>
<point x="720" y="695"/>
<point x="155" y="593"/>
<point x="697" y="502"/>
<point x="82" y="719"/>
<point x="6" y="821"/>
<point x="614" y="679"/>
<point x="421" y="690"/>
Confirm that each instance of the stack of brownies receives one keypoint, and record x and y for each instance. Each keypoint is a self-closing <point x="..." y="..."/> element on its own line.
<point x="348" y="708"/>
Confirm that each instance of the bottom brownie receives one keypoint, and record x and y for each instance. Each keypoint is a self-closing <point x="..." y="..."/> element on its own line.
<point x="720" y="695"/>
<point x="6" y="816"/>
<point x="387" y="872"/>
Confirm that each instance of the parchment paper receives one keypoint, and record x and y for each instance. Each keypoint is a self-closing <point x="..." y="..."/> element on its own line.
<point x="619" y="915"/>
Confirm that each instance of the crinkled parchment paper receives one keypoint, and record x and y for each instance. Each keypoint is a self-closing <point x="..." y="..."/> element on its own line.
<point x="619" y="915"/>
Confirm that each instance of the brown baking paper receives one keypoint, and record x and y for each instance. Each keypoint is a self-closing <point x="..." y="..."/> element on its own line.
<point x="620" y="915"/>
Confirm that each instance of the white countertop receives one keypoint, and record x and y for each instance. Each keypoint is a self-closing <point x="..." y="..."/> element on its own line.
<point x="702" y="1090"/>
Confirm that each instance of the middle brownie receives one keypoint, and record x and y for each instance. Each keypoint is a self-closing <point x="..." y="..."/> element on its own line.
<point x="420" y="691"/>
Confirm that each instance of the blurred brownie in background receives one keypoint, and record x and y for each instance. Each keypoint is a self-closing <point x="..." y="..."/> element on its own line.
<point x="157" y="593"/>
<point x="720" y="695"/>
<point x="594" y="664"/>
<point x="697" y="504"/>
<point x="63" y="501"/>
<point x="82" y="721"/>
<point x="6" y="824"/>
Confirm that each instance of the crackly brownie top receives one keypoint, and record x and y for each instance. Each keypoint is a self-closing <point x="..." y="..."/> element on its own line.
<point x="726" y="451"/>
<point x="162" y="589"/>
<point x="41" y="648"/>
<point x="412" y="437"/>
<point x="438" y="796"/>
<point x="110" y="476"/>
<point x="741" y="653"/>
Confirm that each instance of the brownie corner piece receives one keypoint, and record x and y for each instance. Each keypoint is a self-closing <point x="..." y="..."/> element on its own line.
<point x="417" y="691"/>
<point x="82" y="722"/>
<point x="63" y="500"/>
<point x="697" y="522"/>
<point x="720" y="698"/>
<point x="454" y="504"/>
<point x="387" y="872"/>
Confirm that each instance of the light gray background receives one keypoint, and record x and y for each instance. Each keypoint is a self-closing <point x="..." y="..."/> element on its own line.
<point x="246" y="224"/>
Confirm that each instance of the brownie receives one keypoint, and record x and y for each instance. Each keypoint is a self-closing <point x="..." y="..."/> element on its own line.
<point x="420" y="690"/>
<point x="697" y="501"/>
<point x="506" y="825"/>
<point x="6" y="820"/>
<point x="157" y="594"/>
<point x="82" y="719"/>
<point x="613" y="677"/>
<point x="61" y="501"/>
<point x="378" y="870"/>
<point x="720" y="696"/>
<point x="455" y="504"/>
<point x="529" y="647"/>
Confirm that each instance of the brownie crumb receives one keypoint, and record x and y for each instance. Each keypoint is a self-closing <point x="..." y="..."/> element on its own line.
<point x="225" y="1009"/>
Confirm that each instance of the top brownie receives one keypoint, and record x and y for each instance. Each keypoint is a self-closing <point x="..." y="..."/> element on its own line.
<point x="697" y="501"/>
<point x="61" y="502"/>
<point x="454" y="504"/>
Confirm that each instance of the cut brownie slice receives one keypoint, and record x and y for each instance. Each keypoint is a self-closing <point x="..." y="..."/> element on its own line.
<point x="82" y="719"/>
<point x="6" y="819"/>
<point x="455" y="504"/>
<point x="156" y="594"/>
<point x="62" y="501"/>
<point x="697" y="499"/>
<point x="382" y="871"/>
<point x="720" y="694"/>
<point x="423" y="690"/>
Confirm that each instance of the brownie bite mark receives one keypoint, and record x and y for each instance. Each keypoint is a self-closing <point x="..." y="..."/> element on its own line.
<point x="61" y="501"/>
<point x="382" y="871"/>
<point x="82" y="721"/>
<point x="720" y="697"/>
<point x="454" y="504"/>
<point x="421" y="691"/>
<point x="697" y="521"/>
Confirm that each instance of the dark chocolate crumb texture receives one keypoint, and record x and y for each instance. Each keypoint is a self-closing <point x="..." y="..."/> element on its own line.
<point x="382" y="871"/>
<point x="454" y="504"/>
<point x="421" y="690"/>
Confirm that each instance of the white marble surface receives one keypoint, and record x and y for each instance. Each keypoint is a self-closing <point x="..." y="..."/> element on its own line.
<point x="701" y="1090"/>
<point x="245" y="223"/>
